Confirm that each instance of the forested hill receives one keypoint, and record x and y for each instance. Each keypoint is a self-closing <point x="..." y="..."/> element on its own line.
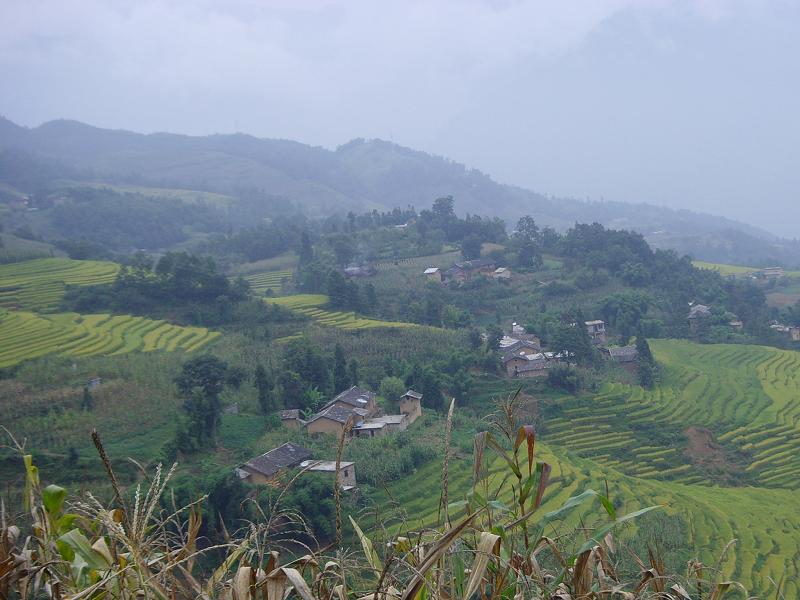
<point x="360" y="175"/>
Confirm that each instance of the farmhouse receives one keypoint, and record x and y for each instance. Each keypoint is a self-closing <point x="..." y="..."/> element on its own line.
<point x="697" y="313"/>
<point x="502" y="274"/>
<point x="347" y="471"/>
<point x="360" y="271"/>
<point x="626" y="356"/>
<point x="462" y="272"/>
<point x="291" y="419"/>
<point x="266" y="468"/>
<point x="334" y="419"/>
<point x="355" y="398"/>
<point x="597" y="331"/>
<point x="519" y="346"/>
<point x="369" y="429"/>
<point x="535" y="366"/>
<point x="433" y="274"/>
<point x="411" y="405"/>
<point x="793" y="333"/>
<point x="770" y="273"/>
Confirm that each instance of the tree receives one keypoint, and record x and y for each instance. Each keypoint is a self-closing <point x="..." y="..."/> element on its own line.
<point x="392" y="388"/>
<point x="293" y="390"/>
<point x="201" y="381"/>
<point x="494" y="335"/>
<point x="370" y="300"/>
<point x="471" y="247"/>
<point x="647" y="368"/>
<point x="575" y="340"/>
<point x="306" y="252"/>
<point x="341" y="377"/>
<point x="352" y="370"/>
<point x="527" y="229"/>
<point x="475" y="339"/>
<point x="264" y="385"/>
<point x="443" y="208"/>
<point x="87" y="402"/>
<point x="337" y="290"/>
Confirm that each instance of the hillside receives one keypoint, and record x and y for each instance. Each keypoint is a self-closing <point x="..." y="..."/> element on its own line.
<point x="358" y="176"/>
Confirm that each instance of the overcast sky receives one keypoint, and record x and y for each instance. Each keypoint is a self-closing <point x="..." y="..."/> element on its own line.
<point x="686" y="104"/>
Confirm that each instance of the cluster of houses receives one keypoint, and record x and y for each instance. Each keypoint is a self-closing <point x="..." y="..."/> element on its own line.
<point x="268" y="468"/>
<point x="522" y="355"/>
<point x="462" y="272"/>
<point x="357" y="408"/>
<point x="698" y="313"/>
<point x="790" y="331"/>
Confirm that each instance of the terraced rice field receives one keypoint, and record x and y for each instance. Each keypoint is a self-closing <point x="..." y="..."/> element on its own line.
<point x="747" y="396"/>
<point x="268" y="280"/>
<point x="39" y="284"/>
<point x="311" y="305"/>
<point x="765" y="522"/>
<point x="25" y="335"/>
<point x="737" y="270"/>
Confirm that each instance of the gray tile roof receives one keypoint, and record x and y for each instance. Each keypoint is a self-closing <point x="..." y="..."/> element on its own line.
<point x="282" y="457"/>
<point x="355" y="396"/>
<point x="338" y="414"/>
<point x="624" y="354"/>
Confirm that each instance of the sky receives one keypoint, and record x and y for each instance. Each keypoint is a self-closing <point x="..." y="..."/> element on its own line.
<point x="685" y="104"/>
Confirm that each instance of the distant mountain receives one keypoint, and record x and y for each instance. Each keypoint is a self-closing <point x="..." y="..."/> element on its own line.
<point x="360" y="175"/>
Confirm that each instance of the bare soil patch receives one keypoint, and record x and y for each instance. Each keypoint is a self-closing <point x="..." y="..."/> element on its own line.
<point x="717" y="462"/>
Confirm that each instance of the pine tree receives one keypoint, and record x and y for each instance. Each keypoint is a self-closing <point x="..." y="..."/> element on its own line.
<point x="352" y="370"/>
<point x="647" y="368"/>
<point x="341" y="377"/>
<point x="87" y="403"/>
<point x="264" y="384"/>
<point x="306" y="253"/>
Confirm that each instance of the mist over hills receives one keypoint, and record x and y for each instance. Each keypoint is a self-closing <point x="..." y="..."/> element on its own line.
<point x="358" y="176"/>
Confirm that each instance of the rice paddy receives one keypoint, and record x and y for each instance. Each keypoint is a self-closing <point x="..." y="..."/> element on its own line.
<point x="25" y="335"/>
<point x="260" y="283"/>
<point x="748" y="397"/>
<point x="765" y="522"/>
<point x="39" y="284"/>
<point x="310" y="305"/>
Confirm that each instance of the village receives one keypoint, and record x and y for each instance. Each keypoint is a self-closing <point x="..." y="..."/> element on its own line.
<point x="353" y="413"/>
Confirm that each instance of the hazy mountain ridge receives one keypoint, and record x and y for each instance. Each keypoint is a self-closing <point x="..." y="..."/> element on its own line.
<point x="362" y="175"/>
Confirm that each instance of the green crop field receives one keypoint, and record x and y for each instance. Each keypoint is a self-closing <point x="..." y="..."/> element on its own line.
<point x="741" y="484"/>
<point x="738" y="270"/>
<point x="25" y="335"/>
<point x="310" y="305"/>
<point x="765" y="522"/>
<point x="39" y="284"/>
<point x="747" y="397"/>
<point x="268" y="280"/>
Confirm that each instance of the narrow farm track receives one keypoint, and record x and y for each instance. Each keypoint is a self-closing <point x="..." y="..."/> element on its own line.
<point x="39" y="284"/>
<point x="25" y="335"/>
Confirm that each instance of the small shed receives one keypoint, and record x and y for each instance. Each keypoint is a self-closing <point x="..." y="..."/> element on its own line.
<point x="502" y="273"/>
<point x="433" y="274"/>
<point x="347" y="471"/>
